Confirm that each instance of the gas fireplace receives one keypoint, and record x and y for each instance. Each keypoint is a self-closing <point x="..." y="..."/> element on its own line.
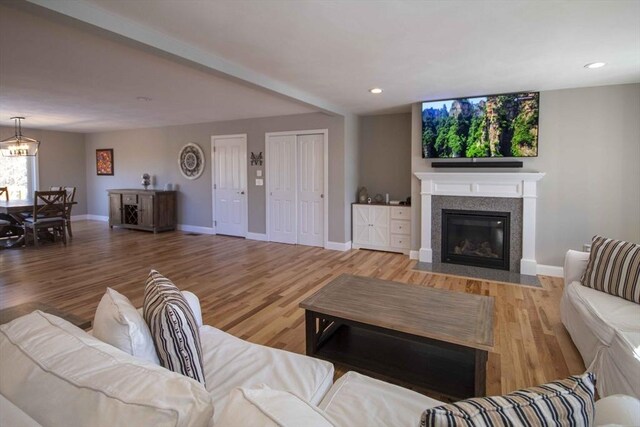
<point x="476" y="238"/>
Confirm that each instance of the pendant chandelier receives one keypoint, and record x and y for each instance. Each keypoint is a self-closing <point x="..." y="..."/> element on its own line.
<point x="19" y="145"/>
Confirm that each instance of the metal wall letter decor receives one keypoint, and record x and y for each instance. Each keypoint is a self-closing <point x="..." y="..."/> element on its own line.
<point x="256" y="160"/>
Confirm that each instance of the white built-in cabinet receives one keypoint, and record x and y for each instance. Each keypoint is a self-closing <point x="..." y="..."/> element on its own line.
<point x="381" y="227"/>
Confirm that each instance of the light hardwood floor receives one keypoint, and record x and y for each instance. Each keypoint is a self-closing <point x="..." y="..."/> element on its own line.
<point x="252" y="289"/>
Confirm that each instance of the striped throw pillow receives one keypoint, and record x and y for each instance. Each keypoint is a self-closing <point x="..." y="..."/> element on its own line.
<point x="173" y="327"/>
<point x="614" y="268"/>
<point x="568" y="402"/>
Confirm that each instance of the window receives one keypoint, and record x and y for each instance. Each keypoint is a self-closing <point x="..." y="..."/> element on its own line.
<point x="20" y="175"/>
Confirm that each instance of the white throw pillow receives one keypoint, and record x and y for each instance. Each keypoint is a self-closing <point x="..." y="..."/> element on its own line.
<point x="117" y="322"/>
<point x="265" y="407"/>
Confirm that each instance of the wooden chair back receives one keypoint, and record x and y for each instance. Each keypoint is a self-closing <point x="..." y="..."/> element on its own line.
<point x="49" y="204"/>
<point x="71" y="193"/>
<point x="5" y="191"/>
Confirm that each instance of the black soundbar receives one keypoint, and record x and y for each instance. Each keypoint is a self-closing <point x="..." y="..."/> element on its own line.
<point x="479" y="164"/>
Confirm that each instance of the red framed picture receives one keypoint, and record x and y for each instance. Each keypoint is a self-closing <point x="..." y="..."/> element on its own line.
<point x="104" y="161"/>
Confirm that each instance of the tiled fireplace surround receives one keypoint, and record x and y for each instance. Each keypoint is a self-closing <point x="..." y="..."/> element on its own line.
<point x="483" y="191"/>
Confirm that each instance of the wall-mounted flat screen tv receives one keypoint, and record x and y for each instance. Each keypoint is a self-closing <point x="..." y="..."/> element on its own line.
<point x="484" y="126"/>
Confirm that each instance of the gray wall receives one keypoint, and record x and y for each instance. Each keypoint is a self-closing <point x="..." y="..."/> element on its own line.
<point x="385" y="154"/>
<point x="156" y="150"/>
<point x="351" y="169"/>
<point x="589" y="147"/>
<point x="60" y="161"/>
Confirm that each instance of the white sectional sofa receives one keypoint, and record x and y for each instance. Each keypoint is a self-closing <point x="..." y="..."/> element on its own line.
<point x="605" y="329"/>
<point x="54" y="374"/>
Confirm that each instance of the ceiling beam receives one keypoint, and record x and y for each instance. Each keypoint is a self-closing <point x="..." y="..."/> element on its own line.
<point x="136" y="32"/>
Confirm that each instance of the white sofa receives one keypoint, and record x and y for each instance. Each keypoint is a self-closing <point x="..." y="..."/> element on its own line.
<point x="605" y="329"/>
<point x="54" y="374"/>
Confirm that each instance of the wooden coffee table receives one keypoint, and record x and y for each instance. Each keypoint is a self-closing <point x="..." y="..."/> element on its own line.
<point x="430" y="339"/>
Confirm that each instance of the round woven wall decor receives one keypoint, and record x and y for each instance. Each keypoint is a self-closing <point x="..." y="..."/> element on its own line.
<point x="191" y="161"/>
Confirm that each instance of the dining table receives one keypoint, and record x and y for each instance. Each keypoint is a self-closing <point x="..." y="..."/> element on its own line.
<point x="19" y="210"/>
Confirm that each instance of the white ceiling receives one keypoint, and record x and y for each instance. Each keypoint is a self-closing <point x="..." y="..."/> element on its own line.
<point x="65" y="78"/>
<point x="333" y="50"/>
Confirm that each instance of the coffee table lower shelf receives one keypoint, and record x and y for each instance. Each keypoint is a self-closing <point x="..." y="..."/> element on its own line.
<point x="450" y="370"/>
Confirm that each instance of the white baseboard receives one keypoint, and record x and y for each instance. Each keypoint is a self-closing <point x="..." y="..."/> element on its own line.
<point x="414" y="255"/>
<point x="550" y="270"/>
<point x="196" y="229"/>
<point x="103" y="218"/>
<point x="425" y="255"/>
<point x="337" y="246"/>
<point x="257" y="236"/>
<point x="79" y="217"/>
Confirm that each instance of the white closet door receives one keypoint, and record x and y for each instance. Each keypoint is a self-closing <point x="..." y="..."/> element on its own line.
<point x="281" y="172"/>
<point x="310" y="190"/>
<point x="231" y="183"/>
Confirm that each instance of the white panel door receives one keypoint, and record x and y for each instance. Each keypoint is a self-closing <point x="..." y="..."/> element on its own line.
<point x="379" y="219"/>
<point x="230" y="185"/>
<point x="281" y="173"/>
<point x="310" y="190"/>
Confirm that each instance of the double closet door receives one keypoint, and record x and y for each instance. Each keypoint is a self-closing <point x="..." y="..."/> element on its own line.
<point x="295" y="188"/>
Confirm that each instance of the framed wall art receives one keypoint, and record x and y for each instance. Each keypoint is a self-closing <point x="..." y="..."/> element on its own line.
<point x="104" y="161"/>
<point x="191" y="161"/>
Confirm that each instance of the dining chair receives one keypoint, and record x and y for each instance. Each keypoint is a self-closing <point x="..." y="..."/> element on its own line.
<point x="49" y="212"/>
<point x="70" y="198"/>
<point x="5" y="223"/>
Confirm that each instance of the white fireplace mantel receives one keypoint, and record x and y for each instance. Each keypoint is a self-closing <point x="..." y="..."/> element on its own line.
<point x="521" y="185"/>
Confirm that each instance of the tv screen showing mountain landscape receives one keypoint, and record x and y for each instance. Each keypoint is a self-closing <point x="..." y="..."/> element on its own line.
<point x="486" y="126"/>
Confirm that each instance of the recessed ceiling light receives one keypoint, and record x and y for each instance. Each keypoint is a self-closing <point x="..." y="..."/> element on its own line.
<point x="375" y="90"/>
<point x="143" y="98"/>
<point x="595" y="65"/>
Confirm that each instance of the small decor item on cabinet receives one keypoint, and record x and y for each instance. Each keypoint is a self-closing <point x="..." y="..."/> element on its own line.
<point x="363" y="195"/>
<point x="191" y="161"/>
<point x="256" y="160"/>
<point x="146" y="180"/>
<point x="104" y="161"/>
<point x="378" y="198"/>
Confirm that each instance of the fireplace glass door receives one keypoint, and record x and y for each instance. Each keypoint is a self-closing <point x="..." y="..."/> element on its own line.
<point x="476" y="238"/>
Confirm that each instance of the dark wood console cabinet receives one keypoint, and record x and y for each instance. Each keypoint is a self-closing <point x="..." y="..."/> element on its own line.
<point x="151" y="210"/>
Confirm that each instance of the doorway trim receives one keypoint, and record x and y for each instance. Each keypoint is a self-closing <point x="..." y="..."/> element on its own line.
<point x="245" y="219"/>
<point x="325" y="184"/>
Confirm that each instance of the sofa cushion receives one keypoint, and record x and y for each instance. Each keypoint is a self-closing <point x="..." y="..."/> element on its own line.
<point x="565" y="402"/>
<point x="230" y="362"/>
<point x="265" y="407"/>
<point x="602" y="313"/>
<point x="373" y="403"/>
<point x="618" y="367"/>
<point x="173" y="327"/>
<point x="614" y="268"/>
<point x="117" y="322"/>
<point x="12" y="416"/>
<point x="61" y="376"/>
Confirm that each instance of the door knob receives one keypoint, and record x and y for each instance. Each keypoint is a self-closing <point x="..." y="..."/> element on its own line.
<point x="242" y="192"/>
